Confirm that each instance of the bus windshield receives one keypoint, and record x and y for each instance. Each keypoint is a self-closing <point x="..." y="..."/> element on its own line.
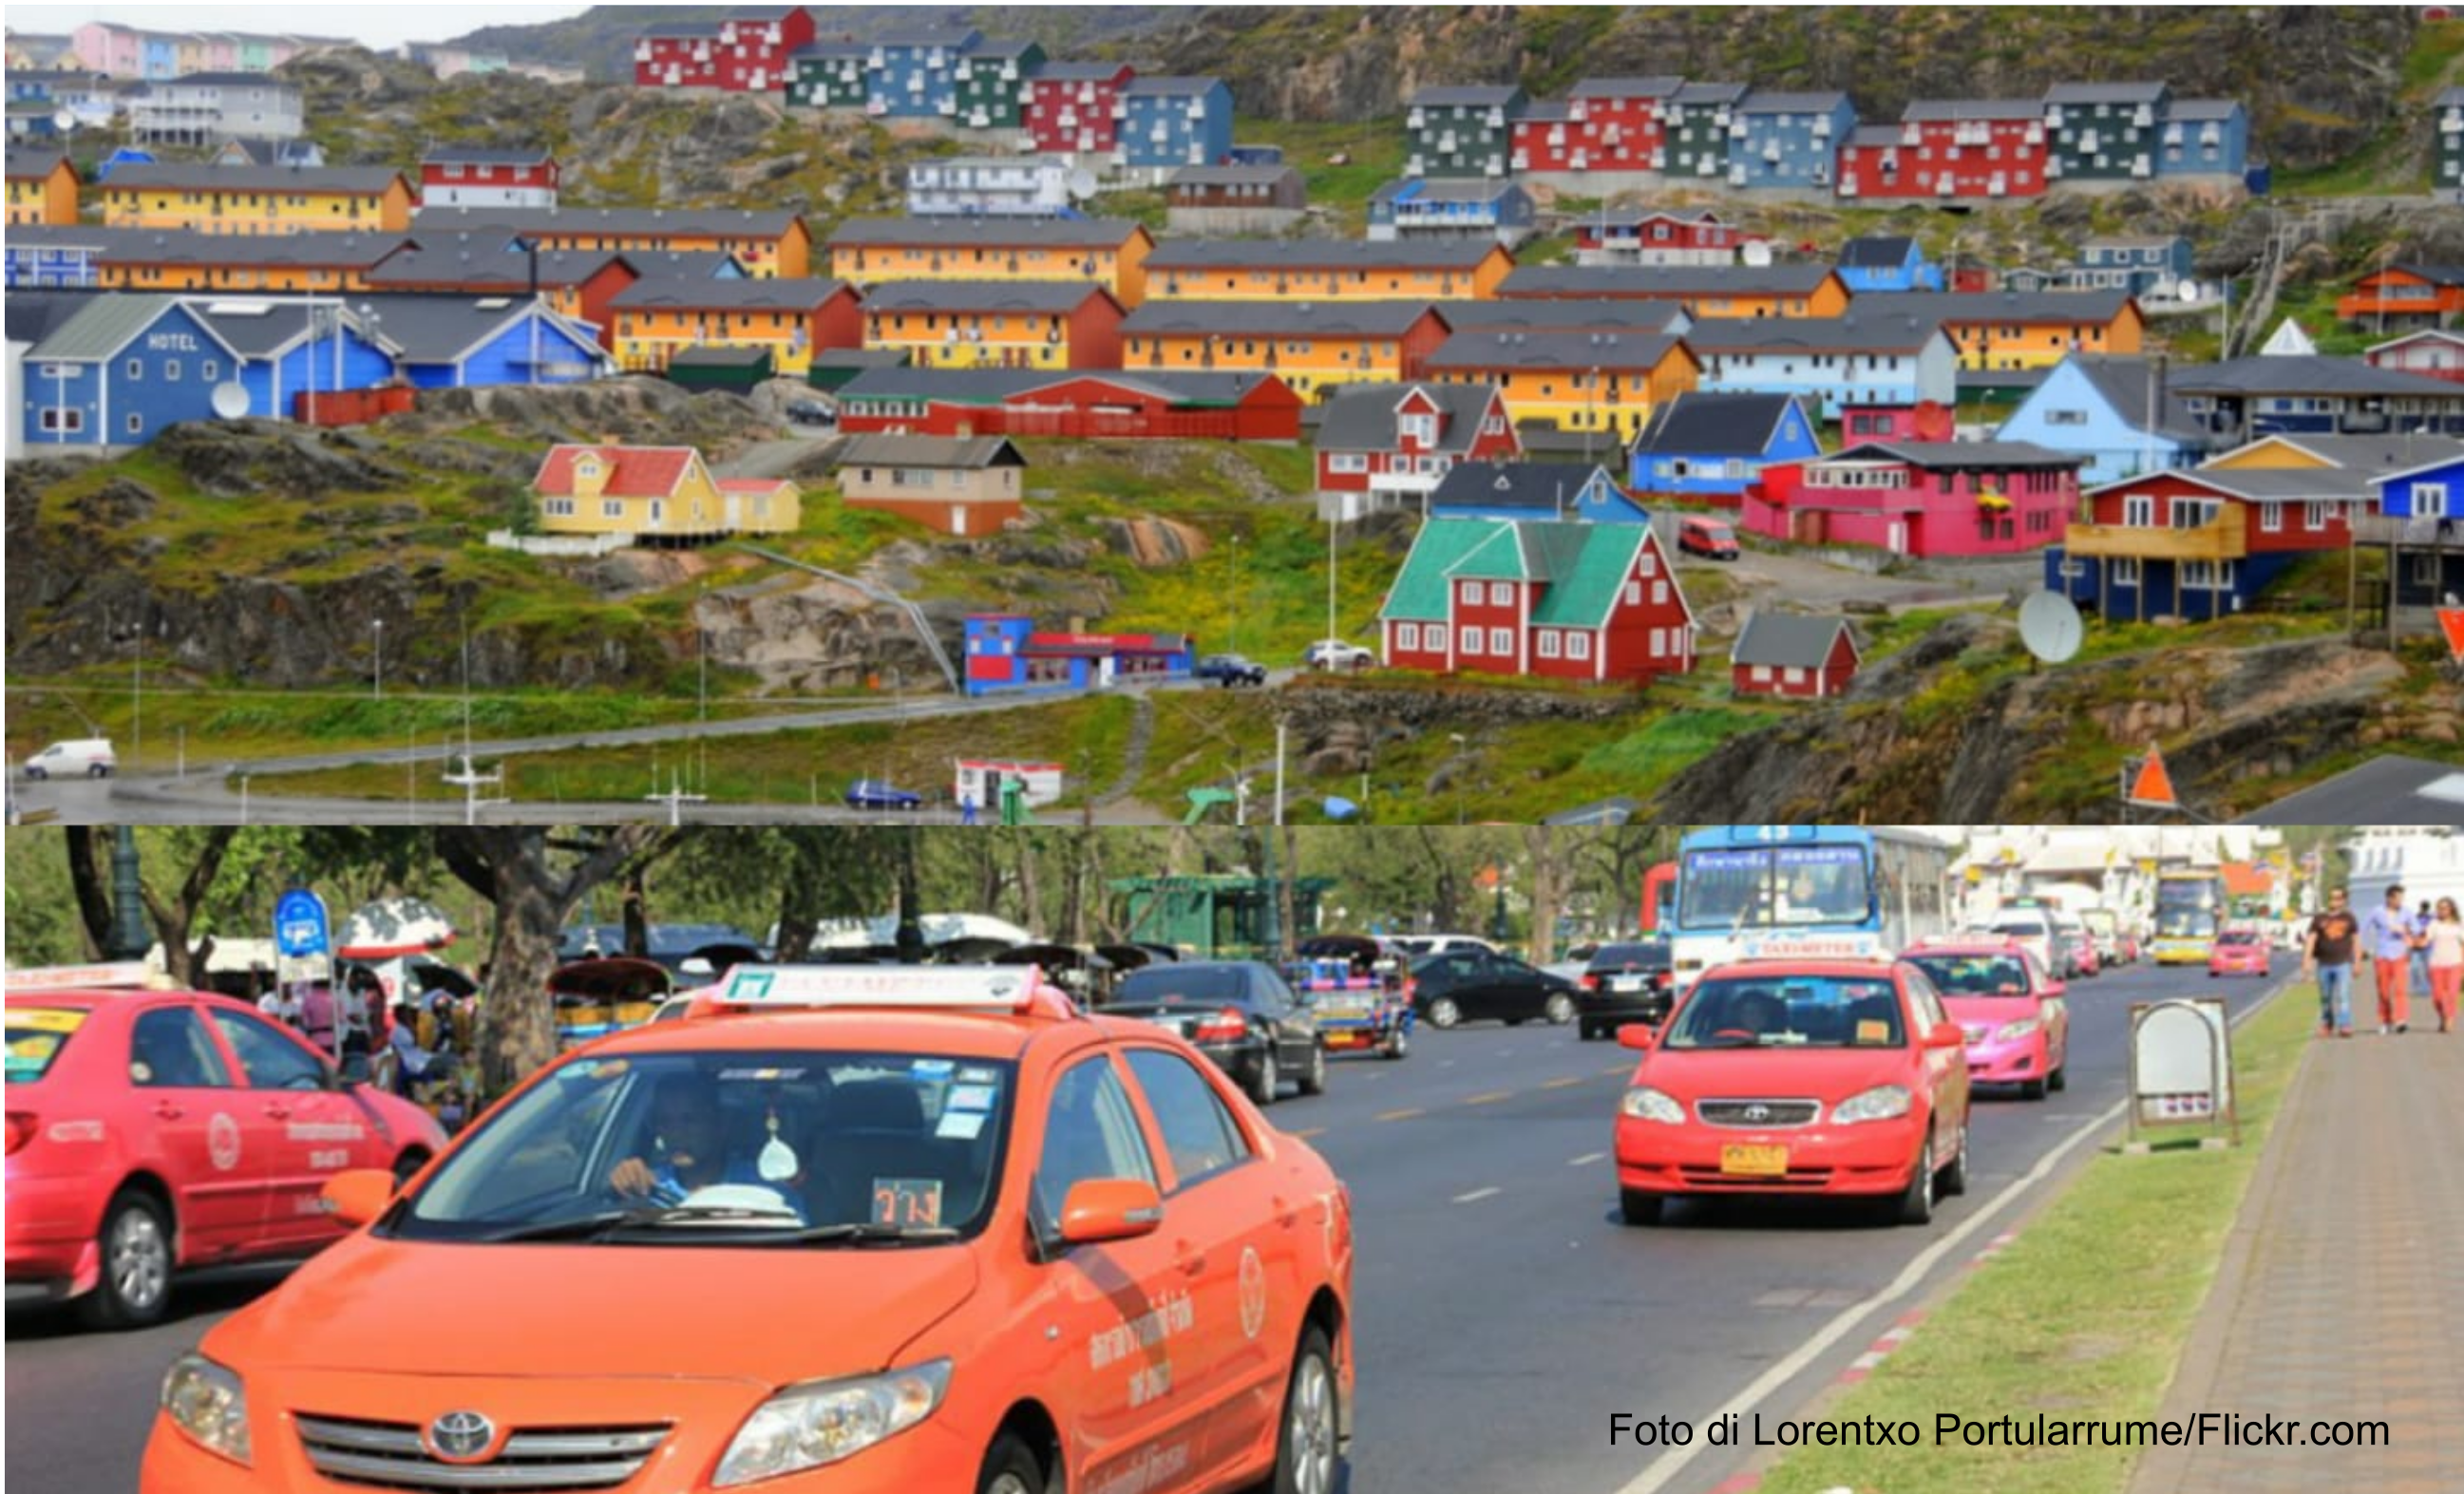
<point x="1774" y="887"/>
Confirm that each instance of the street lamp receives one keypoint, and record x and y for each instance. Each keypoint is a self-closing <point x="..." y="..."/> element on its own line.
<point x="378" y="679"/>
<point x="1457" y="738"/>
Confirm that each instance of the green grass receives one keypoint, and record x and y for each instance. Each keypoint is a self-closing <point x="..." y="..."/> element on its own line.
<point x="2084" y="1317"/>
<point x="1374" y="149"/>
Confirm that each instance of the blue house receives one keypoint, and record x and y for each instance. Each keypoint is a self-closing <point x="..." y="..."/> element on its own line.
<point x="1006" y="654"/>
<point x="288" y="348"/>
<point x="2244" y="399"/>
<point x="161" y="57"/>
<point x="466" y="341"/>
<point x="2428" y="500"/>
<point x="1789" y="139"/>
<point x="118" y="371"/>
<point x="2098" y="408"/>
<point x="1170" y="123"/>
<point x="2144" y="265"/>
<point x="1887" y="262"/>
<point x="2204" y="136"/>
<point x="1452" y="208"/>
<point x="914" y="70"/>
<point x="1520" y="490"/>
<point x="1709" y="447"/>
<point x="1862" y="360"/>
<point x="44" y="256"/>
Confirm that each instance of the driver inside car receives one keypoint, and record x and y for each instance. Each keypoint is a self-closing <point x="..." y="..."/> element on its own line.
<point x="688" y="1152"/>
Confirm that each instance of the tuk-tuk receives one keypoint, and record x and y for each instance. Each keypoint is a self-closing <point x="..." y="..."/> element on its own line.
<point x="597" y="997"/>
<point x="1356" y="991"/>
<point x="1086" y="974"/>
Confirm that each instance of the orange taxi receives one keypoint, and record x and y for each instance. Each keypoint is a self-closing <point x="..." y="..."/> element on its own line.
<point x="838" y="1228"/>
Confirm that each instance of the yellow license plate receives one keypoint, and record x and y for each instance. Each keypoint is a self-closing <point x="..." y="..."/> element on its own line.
<point x="1754" y="1161"/>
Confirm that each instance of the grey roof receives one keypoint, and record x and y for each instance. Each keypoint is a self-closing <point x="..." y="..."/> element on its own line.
<point x="609" y="220"/>
<point x="2314" y="374"/>
<point x="998" y="46"/>
<point x="429" y="328"/>
<point x="2385" y="790"/>
<point x="2124" y="384"/>
<point x="2104" y="92"/>
<point x="1361" y="418"/>
<point x="2069" y="307"/>
<point x="1317" y="253"/>
<point x="1567" y="313"/>
<point x="1665" y="280"/>
<point x="1714" y="425"/>
<point x="149" y="176"/>
<point x="254" y="326"/>
<point x="1151" y="87"/>
<point x="926" y="36"/>
<point x="1541" y="488"/>
<point x="1546" y="111"/>
<point x="1232" y="176"/>
<point x="491" y="156"/>
<point x="1447" y="189"/>
<point x="1785" y="641"/>
<point x="1657" y="86"/>
<point x="188" y="247"/>
<point x="1238" y="319"/>
<point x="776" y="294"/>
<point x="721" y="357"/>
<point x="1959" y="455"/>
<point x="1553" y="350"/>
<point x="1922" y="111"/>
<point x="2280" y="484"/>
<point x="2450" y="98"/>
<point x="1860" y="331"/>
<point x="227" y="80"/>
<point x="35" y="314"/>
<point x="2132" y="241"/>
<point x="1048" y="296"/>
<point x="681" y="30"/>
<point x="1079" y="71"/>
<point x="993" y="385"/>
<point x="1025" y="232"/>
<point x="976" y="453"/>
<point x="823" y="51"/>
<point x="2435" y="275"/>
<point x="1702" y="93"/>
<point x="676" y="264"/>
<point x="32" y="161"/>
<point x="102" y="327"/>
<point x="1475" y="96"/>
<point x="1877" y="252"/>
<point x="2203" y="108"/>
<point x="1873" y="135"/>
<point x="1763" y="100"/>
<point x="461" y="260"/>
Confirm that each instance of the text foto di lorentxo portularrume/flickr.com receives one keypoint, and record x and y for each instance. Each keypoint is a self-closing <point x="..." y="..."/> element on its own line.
<point x="1951" y="1429"/>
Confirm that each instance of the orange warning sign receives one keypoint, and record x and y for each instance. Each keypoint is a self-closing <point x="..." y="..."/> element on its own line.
<point x="2153" y="786"/>
<point x="2451" y="622"/>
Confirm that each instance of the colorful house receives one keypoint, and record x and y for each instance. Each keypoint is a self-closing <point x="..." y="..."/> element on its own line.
<point x="2425" y="500"/>
<point x="1326" y="269"/>
<point x="2016" y="329"/>
<point x="2100" y="409"/>
<point x="203" y="107"/>
<point x="2431" y="355"/>
<point x="579" y="285"/>
<point x="1697" y="131"/>
<point x="1521" y="491"/>
<point x="1572" y="314"/>
<point x="1708" y="447"/>
<point x="996" y="324"/>
<point x="1069" y="109"/>
<point x="1790" y="140"/>
<point x="1705" y="290"/>
<point x="679" y="54"/>
<point x="42" y="187"/>
<point x="469" y="176"/>
<point x="970" y="486"/>
<point x="988" y="186"/>
<point x="1100" y="405"/>
<point x="828" y="75"/>
<point x="447" y="341"/>
<point x="2204" y="136"/>
<point x="1948" y="149"/>
<point x="1616" y="125"/>
<point x="1462" y="131"/>
<point x="791" y="319"/>
<point x="1465" y="208"/>
<point x="1887" y="262"/>
<point x="1834" y="364"/>
<point x="137" y="260"/>
<point x="1006" y="654"/>
<point x="1668" y="237"/>
<point x="1235" y="199"/>
<point x="1920" y="499"/>
<point x="2103" y="132"/>
<point x="2446" y="154"/>
<point x="1602" y="383"/>
<point x="1587" y="602"/>
<point x="64" y="258"/>
<point x="1313" y="346"/>
<point x="765" y="244"/>
<point x="1386" y="447"/>
<point x="991" y="83"/>
<point x="748" y="51"/>
<point x="2144" y="265"/>
<point x="2406" y="297"/>
<point x="1780" y="654"/>
<point x="1170" y="123"/>
<point x="1541" y="140"/>
<point x="2201" y="543"/>
<point x="912" y="70"/>
<point x="259" y="199"/>
<point x="2246" y="398"/>
<point x="652" y="494"/>
<point x="1106" y="252"/>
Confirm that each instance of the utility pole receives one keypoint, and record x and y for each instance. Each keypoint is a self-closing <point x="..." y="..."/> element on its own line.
<point x="1282" y="727"/>
<point x="129" y="937"/>
<point x="911" y="928"/>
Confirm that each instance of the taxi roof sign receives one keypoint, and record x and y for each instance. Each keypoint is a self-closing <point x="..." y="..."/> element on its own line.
<point x="978" y="988"/>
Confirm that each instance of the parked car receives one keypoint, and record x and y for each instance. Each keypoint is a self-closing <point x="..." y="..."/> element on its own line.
<point x="1570" y="965"/>
<point x="1829" y="1078"/>
<point x="88" y="757"/>
<point x="1333" y="653"/>
<point x="1231" y="668"/>
<point x="2016" y="1017"/>
<point x="874" y="794"/>
<point x="2240" y="952"/>
<point x="1472" y="985"/>
<point x="1625" y="984"/>
<point x="2035" y="929"/>
<point x="805" y="412"/>
<point x="2087" y="958"/>
<point x="151" y="1131"/>
<point x="1709" y="537"/>
<point x="1239" y="1013"/>
<point x="1412" y="948"/>
<point x="2112" y="947"/>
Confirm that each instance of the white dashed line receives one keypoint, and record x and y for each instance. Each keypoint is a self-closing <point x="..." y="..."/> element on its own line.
<point x="1478" y="1194"/>
<point x="1587" y="1160"/>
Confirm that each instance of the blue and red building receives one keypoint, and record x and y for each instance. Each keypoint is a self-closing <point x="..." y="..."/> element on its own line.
<point x="1007" y="655"/>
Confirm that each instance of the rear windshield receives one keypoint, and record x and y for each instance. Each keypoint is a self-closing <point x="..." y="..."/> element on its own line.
<point x="1642" y="956"/>
<point x="36" y="1035"/>
<point x="1174" y="985"/>
<point x="2237" y="936"/>
<point x="1973" y="974"/>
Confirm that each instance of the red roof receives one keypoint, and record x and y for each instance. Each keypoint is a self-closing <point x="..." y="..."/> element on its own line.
<point x="636" y="472"/>
<point x="753" y="484"/>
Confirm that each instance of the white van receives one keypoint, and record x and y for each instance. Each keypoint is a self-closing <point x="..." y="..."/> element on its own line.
<point x="2037" y="933"/>
<point x="91" y="757"/>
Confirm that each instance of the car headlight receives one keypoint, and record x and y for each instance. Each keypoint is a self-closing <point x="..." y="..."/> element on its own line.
<point x="805" y="1426"/>
<point x="2014" y="1031"/>
<point x="1644" y="1103"/>
<point x="1882" y="1101"/>
<point x="210" y="1403"/>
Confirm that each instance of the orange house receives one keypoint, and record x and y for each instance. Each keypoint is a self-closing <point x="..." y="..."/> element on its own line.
<point x="259" y="200"/>
<point x="1232" y="270"/>
<point x="1112" y="252"/>
<point x="769" y="244"/>
<point x="791" y="319"/>
<point x="42" y="187"/>
<point x="136" y="260"/>
<point x="1703" y="290"/>
<point x="1583" y="382"/>
<point x="2019" y="329"/>
<point x="2406" y="298"/>
<point x="577" y="284"/>
<point x="1313" y="346"/>
<point x="995" y="324"/>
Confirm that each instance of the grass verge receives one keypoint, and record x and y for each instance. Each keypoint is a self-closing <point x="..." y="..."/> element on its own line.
<point x="2084" y="1317"/>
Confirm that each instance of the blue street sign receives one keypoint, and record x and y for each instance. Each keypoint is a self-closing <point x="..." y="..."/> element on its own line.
<point x="299" y="925"/>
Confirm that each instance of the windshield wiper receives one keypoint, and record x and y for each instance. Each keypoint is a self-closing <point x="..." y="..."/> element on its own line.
<point x="871" y="1235"/>
<point x="592" y="1226"/>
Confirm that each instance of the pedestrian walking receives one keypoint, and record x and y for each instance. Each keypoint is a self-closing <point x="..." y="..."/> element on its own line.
<point x="317" y="1011"/>
<point x="2421" y="921"/>
<point x="2328" y="954"/>
<point x="967" y="808"/>
<point x="2387" y="932"/>
<point x="281" y="1004"/>
<point x="2443" y="947"/>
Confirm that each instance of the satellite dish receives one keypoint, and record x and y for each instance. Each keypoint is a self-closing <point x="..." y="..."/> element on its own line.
<point x="64" y="121"/>
<point x="1082" y="184"/>
<point x="2050" y="626"/>
<point x="1757" y="255"/>
<point x="230" y="400"/>
<point x="2189" y="291"/>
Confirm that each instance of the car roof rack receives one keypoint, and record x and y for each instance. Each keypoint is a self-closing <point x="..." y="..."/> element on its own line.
<point x="1022" y="990"/>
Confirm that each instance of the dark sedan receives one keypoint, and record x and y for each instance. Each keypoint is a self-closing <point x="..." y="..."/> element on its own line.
<point x="1239" y="1013"/>
<point x="1473" y="984"/>
<point x="1624" y="983"/>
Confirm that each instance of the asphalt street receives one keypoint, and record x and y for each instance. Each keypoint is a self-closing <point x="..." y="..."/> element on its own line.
<point x="1502" y="1311"/>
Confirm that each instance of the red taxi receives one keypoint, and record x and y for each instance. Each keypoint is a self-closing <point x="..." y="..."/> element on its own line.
<point x="152" y="1130"/>
<point x="2239" y="952"/>
<point x="1829" y="1077"/>
<point x="2016" y="1017"/>
<point x="836" y="1228"/>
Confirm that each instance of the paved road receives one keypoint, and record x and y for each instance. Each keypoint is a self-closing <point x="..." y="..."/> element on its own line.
<point x="1502" y="1311"/>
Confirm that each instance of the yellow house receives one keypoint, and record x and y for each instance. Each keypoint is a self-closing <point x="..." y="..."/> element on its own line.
<point x="2016" y="329"/>
<point x="259" y="199"/>
<point x="1607" y="382"/>
<point x="1701" y="290"/>
<point x="2390" y="452"/>
<point x="995" y="324"/>
<point x="655" y="320"/>
<point x="769" y="244"/>
<point x="656" y="495"/>
<point x="1327" y="270"/>
<point x="191" y="261"/>
<point x="42" y="187"/>
<point x="1109" y="252"/>
<point x="1313" y="346"/>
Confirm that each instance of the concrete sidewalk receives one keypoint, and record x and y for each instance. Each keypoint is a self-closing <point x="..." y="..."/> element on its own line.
<point x="2342" y="1292"/>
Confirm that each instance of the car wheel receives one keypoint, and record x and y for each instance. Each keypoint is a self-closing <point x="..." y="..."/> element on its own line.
<point x="1560" y="1009"/>
<point x="1586" y="1032"/>
<point x="1444" y="1012"/>
<point x="38" y="775"/>
<point x="1265" y="1078"/>
<point x="2061" y="1077"/>
<point x="1954" y="1178"/>
<point x="136" y="1255"/>
<point x="1313" y="1077"/>
<point x="2032" y="1090"/>
<point x="99" y="771"/>
<point x="1916" y="1205"/>
<point x="1398" y="1044"/>
<point x="1010" y="1468"/>
<point x="1304" y="1453"/>
<point x="1638" y="1207"/>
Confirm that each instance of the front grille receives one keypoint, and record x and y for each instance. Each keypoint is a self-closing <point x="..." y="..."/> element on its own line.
<point x="1757" y="1114"/>
<point x="389" y="1455"/>
<point x="1711" y="1177"/>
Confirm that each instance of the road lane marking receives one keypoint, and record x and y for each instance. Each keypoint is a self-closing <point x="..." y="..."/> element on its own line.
<point x="1445" y="1063"/>
<point x="1399" y="1114"/>
<point x="1621" y="1068"/>
<point x="1559" y="1083"/>
<point x="1313" y="1131"/>
<point x="1478" y="1194"/>
<point x="1504" y="1053"/>
<point x="1587" y="1160"/>
<point x="1491" y="1097"/>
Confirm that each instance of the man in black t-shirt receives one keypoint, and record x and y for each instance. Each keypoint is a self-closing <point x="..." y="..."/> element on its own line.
<point x="2328" y="951"/>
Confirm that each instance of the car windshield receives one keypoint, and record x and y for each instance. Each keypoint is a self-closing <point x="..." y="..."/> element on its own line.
<point x="1974" y="975"/>
<point x="1180" y="985"/>
<point x="1790" y="1011"/>
<point x="36" y="1035"/>
<point x="736" y="1147"/>
<point x="1781" y="885"/>
<point x="2237" y="938"/>
<point x="1652" y="955"/>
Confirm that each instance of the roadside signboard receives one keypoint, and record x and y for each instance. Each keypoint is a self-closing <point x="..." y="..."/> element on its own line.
<point x="2181" y="1066"/>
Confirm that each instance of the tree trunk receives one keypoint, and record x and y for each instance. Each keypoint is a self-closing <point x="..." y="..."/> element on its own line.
<point x="1289" y="895"/>
<point x="1029" y="891"/>
<point x="637" y="918"/>
<point x="174" y="916"/>
<point x="1445" y="893"/>
<point x="93" y="889"/>
<point x="1540" y="842"/>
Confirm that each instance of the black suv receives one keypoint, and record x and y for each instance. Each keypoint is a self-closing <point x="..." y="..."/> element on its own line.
<point x="1239" y="1013"/>
<point x="1231" y="668"/>
<point x="1625" y="984"/>
<point x="1466" y="986"/>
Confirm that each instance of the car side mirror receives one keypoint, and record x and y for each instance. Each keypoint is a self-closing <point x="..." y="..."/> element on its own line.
<point x="1638" y="1036"/>
<point x="1945" y="1035"/>
<point x="2052" y="988"/>
<point x="1110" y="1208"/>
<point x="358" y="1196"/>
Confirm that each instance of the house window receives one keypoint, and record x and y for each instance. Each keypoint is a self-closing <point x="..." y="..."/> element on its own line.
<point x="1760" y="674"/>
<point x="61" y="419"/>
<point x="2139" y="510"/>
<point x="1578" y="646"/>
<point x="2125" y="571"/>
<point x="136" y="369"/>
<point x="1467" y="641"/>
<point x="557" y="508"/>
<point x="611" y="508"/>
<point x="1550" y="646"/>
<point x="1422" y="429"/>
<point x="2208" y="575"/>
<point x="136" y="424"/>
<point x="2430" y="500"/>
<point x="1633" y="593"/>
<point x="2425" y="570"/>
<point x="1659" y="643"/>
<point x="1500" y="642"/>
<point x="2065" y="417"/>
<point x="209" y="370"/>
<point x="170" y="370"/>
<point x="1659" y="593"/>
<point x="1407" y="636"/>
<point x="2271" y="519"/>
<point x="2315" y="515"/>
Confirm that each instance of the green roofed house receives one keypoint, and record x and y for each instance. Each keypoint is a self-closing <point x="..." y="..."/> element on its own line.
<point x="739" y="370"/>
<point x="1547" y="598"/>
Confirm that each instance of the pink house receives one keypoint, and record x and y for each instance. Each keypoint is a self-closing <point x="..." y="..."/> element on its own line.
<point x="1921" y="498"/>
<point x="2435" y="354"/>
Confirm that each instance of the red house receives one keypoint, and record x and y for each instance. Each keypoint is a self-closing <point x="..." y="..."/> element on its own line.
<point x="1575" y="602"/>
<point x="2204" y="542"/>
<point x="1921" y="498"/>
<point x="1660" y="238"/>
<point x="1021" y="402"/>
<point x="1388" y="446"/>
<point x="1069" y="106"/>
<point x="681" y="56"/>
<point x="1543" y="138"/>
<point x="1617" y="123"/>
<point x="467" y="176"/>
<point x="2433" y="355"/>
<point x="746" y="51"/>
<point x="1948" y="149"/>
<point x="2404" y="298"/>
<point x="1806" y="657"/>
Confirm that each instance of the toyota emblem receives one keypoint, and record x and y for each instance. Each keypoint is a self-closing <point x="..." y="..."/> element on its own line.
<point x="1758" y="1113"/>
<point x="461" y="1436"/>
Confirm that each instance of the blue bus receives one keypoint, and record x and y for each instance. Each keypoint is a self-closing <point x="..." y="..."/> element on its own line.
<point x="1748" y="891"/>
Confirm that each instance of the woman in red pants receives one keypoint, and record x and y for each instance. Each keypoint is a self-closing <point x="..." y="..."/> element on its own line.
<point x="2446" y="962"/>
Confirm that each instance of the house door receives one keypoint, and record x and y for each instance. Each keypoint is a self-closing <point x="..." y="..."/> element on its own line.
<point x="735" y="513"/>
<point x="658" y="513"/>
<point x="957" y="518"/>
<point x="1899" y="536"/>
